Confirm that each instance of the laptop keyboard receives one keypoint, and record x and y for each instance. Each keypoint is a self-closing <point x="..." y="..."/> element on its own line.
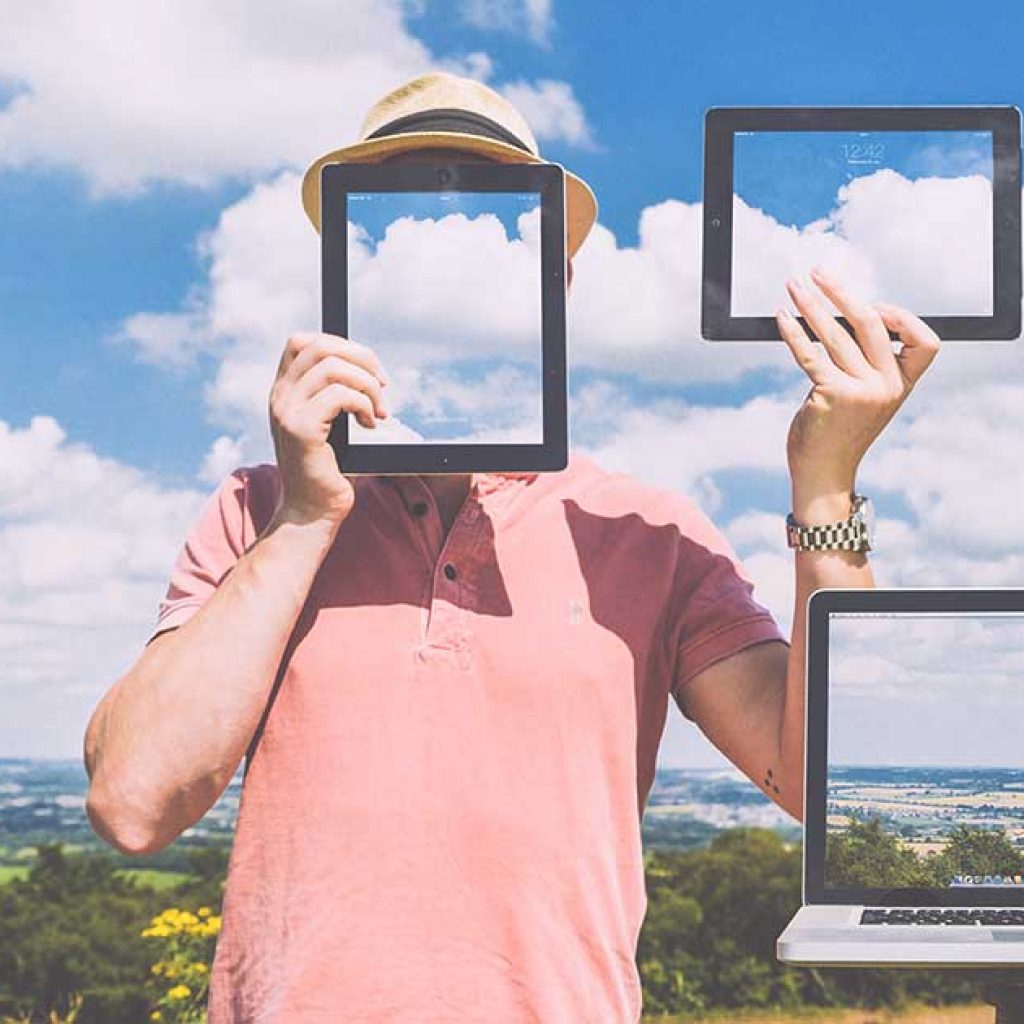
<point x="986" y="916"/>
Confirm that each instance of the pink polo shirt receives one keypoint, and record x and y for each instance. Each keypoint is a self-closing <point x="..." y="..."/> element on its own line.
<point x="441" y="822"/>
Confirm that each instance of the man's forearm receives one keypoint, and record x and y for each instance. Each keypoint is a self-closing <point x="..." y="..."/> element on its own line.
<point x="814" y="569"/>
<point x="164" y="743"/>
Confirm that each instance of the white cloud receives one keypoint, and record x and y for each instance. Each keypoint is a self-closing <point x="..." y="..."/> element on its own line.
<point x="935" y="257"/>
<point x="539" y="17"/>
<point x="952" y="461"/>
<point x="631" y="309"/>
<point x="448" y="288"/>
<point x="74" y="521"/>
<point x="637" y="309"/>
<point x="195" y="93"/>
<point x="532" y="17"/>
<point x="502" y="407"/>
<point x="223" y="457"/>
<point x="87" y="545"/>
<point x="169" y="340"/>
<point x="552" y="111"/>
<point x="938" y="658"/>
<point x="678" y="445"/>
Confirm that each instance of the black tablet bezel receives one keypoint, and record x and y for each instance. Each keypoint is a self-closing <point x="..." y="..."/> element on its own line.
<point x="721" y="124"/>
<point x="821" y="604"/>
<point x="547" y="180"/>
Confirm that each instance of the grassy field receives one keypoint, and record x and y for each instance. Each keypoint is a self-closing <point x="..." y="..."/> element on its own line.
<point x="159" y="880"/>
<point x="923" y="1015"/>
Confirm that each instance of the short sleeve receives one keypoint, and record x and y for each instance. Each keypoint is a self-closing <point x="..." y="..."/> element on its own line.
<point x="714" y="612"/>
<point x="215" y="541"/>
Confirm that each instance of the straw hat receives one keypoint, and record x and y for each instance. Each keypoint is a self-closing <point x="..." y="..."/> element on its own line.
<point x="442" y="109"/>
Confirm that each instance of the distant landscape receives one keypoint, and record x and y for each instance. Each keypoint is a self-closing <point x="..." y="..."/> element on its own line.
<point x="44" y="801"/>
<point x="957" y="826"/>
<point x="922" y="804"/>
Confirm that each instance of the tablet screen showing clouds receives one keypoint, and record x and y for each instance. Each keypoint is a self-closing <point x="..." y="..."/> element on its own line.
<point x="446" y="289"/>
<point x="925" y="760"/>
<point x="904" y="216"/>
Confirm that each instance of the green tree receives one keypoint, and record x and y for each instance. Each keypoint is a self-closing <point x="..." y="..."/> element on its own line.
<point x="714" y="915"/>
<point x="72" y="926"/>
<point x="976" y="851"/>
<point x="865" y="855"/>
<point x="208" y="866"/>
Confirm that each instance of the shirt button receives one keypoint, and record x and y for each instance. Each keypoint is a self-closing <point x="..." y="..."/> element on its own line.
<point x="420" y="508"/>
<point x="450" y="571"/>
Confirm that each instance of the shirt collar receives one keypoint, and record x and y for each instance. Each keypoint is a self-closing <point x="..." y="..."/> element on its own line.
<point x="486" y="482"/>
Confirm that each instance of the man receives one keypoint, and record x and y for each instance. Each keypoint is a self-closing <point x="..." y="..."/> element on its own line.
<point x="470" y="674"/>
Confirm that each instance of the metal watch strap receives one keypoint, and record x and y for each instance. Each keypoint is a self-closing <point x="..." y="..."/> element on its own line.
<point x="830" y="537"/>
<point x="848" y="535"/>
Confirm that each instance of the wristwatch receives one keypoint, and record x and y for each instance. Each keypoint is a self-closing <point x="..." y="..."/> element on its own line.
<point x="854" y="534"/>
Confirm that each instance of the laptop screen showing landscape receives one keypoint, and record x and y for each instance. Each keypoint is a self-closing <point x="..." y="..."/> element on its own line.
<point x="925" y="767"/>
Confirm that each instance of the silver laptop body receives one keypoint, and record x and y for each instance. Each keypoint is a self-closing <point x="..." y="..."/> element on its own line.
<point x="914" y="774"/>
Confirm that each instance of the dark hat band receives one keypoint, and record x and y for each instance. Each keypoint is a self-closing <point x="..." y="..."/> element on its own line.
<point x="465" y="122"/>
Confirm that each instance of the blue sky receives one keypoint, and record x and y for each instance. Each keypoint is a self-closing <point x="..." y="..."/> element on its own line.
<point x="124" y="250"/>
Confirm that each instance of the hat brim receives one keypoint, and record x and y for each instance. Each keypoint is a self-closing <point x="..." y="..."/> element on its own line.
<point x="580" y="202"/>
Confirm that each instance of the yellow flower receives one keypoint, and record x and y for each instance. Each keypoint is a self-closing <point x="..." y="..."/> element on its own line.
<point x="157" y="968"/>
<point x="179" y="992"/>
<point x="204" y="911"/>
<point x="156" y="1015"/>
<point x="200" y="967"/>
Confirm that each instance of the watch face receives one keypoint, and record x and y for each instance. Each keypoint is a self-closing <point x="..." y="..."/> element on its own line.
<point x="866" y="514"/>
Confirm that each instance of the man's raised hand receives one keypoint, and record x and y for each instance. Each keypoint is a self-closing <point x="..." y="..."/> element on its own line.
<point x="857" y="382"/>
<point x="319" y="377"/>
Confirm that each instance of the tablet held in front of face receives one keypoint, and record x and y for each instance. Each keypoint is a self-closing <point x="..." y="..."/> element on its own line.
<point x="916" y="206"/>
<point x="454" y="274"/>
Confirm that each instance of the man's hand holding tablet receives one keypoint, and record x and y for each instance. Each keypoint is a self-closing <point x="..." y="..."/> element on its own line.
<point x="857" y="385"/>
<point x="319" y="377"/>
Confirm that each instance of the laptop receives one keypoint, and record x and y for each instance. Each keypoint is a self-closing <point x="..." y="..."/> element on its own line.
<point x="914" y="831"/>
